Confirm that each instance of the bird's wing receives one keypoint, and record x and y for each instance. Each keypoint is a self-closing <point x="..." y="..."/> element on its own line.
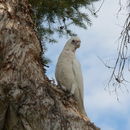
<point x="78" y="76"/>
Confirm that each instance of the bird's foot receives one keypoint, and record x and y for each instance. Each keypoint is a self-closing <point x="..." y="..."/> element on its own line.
<point x="68" y="94"/>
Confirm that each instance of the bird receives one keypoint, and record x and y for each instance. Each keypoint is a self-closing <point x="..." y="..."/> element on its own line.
<point x="68" y="72"/>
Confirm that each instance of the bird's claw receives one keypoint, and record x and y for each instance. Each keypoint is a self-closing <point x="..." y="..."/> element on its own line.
<point x="69" y="95"/>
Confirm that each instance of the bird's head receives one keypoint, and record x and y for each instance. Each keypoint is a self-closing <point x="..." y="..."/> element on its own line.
<point x="73" y="43"/>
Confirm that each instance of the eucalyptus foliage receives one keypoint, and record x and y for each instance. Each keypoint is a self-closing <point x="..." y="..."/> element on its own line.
<point x="55" y="16"/>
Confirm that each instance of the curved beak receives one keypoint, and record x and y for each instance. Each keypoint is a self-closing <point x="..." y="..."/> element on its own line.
<point x="77" y="43"/>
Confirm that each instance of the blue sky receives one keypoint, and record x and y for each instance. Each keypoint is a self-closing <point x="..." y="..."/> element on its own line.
<point x="101" y="39"/>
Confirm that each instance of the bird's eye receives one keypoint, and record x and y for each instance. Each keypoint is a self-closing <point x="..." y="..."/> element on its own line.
<point x="73" y="41"/>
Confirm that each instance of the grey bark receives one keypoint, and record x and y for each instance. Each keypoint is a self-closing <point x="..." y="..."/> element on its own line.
<point x="28" y="100"/>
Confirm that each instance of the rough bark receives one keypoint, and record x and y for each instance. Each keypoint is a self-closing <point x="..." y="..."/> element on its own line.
<point x="28" y="100"/>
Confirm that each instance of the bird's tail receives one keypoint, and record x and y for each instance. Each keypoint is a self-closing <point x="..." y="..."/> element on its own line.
<point x="79" y="99"/>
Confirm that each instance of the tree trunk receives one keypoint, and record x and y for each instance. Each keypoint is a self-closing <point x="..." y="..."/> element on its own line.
<point x="28" y="100"/>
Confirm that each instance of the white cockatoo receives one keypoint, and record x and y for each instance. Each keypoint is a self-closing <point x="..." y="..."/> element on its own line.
<point x="68" y="72"/>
